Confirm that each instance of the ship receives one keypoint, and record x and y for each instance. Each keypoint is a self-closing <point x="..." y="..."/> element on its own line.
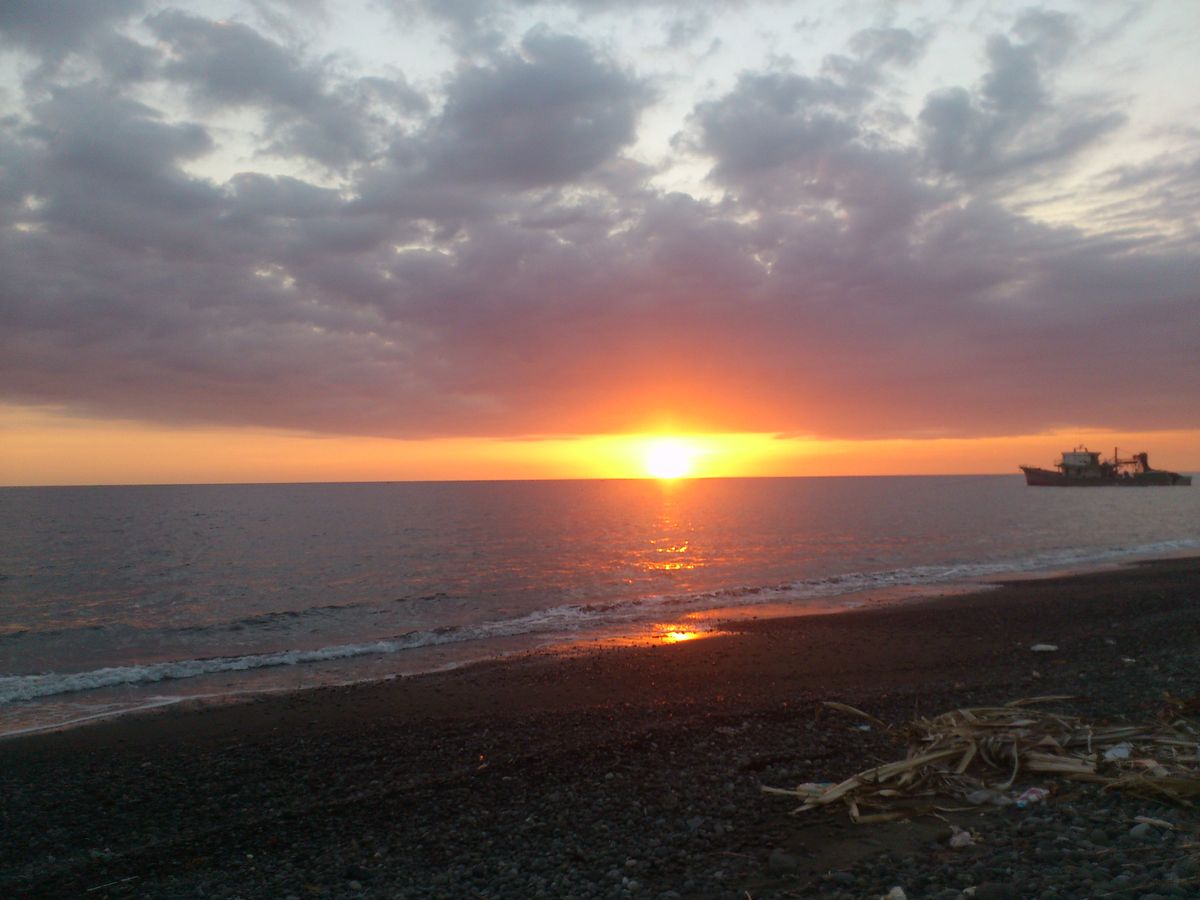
<point x="1082" y="467"/>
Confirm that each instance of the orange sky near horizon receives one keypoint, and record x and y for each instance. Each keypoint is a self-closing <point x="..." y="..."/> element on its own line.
<point x="381" y="253"/>
<point x="43" y="448"/>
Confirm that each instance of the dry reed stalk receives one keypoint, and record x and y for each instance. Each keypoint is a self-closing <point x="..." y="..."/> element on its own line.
<point x="965" y="752"/>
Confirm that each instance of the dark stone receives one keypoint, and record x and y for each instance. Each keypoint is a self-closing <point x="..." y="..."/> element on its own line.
<point x="1142" y="832"/>
<point x="1186" y="867"/>
<point x="780" y="861"/>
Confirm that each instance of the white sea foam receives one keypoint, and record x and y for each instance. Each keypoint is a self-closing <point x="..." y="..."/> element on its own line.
<point x="29" y="687"/>
<point x="568" y="620"/>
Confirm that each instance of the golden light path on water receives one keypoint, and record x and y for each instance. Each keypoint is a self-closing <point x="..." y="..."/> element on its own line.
<point x="676" y="636"/>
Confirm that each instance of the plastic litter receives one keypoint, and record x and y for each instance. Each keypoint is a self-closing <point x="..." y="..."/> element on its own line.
<point x="960" y="838"/>
<point x="1044" y="648"/>
<point x="896" y="893"/>
<point x="1122" y="750"/>
<point x="1030" y="796"/>
<point x="988" y="796"/>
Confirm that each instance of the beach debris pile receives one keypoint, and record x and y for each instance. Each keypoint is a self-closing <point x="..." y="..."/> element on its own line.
<point x="980" y="756"/>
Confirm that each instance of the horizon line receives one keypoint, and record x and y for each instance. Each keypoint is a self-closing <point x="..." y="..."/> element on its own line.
<point x="100" y="484"/>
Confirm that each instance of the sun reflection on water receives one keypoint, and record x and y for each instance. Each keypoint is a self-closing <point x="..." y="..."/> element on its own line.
<point x="675" y="561"/>
<point x="675" y="637"/>
<point x="678" y="631"/>
<point x="671" y="549"/>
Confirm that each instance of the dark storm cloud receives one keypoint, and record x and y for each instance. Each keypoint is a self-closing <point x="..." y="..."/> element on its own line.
<point x="490" y="262"/>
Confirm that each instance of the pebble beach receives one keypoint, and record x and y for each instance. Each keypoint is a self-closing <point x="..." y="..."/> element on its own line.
<point x="630" y="771"/>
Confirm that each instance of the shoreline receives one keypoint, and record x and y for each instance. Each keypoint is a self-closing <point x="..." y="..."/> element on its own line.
<point x="568" y="767"/>
<point x="700" y="623"/>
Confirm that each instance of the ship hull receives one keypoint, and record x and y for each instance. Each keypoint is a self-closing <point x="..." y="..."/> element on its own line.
<point x="1050" y="478"/>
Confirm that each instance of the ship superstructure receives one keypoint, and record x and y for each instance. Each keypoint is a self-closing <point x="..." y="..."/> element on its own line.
<point x="1082" y="467"/>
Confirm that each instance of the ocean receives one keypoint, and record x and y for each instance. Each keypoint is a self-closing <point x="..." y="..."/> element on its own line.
<point x="120" y="599"/>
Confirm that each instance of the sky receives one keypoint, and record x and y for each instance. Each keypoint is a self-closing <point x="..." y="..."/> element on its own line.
<point x="274" y="241"/>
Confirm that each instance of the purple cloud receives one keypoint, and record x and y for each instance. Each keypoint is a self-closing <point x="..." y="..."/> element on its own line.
<point x="486" y="256"/>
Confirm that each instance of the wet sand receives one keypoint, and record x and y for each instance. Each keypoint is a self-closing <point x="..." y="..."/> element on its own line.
<point x="618" y="772"/>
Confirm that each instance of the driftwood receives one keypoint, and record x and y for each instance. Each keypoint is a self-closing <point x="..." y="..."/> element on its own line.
<point x="973" y="757"/>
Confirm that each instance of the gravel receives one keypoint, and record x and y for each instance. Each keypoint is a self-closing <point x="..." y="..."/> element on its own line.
<point x="647" y="796"/>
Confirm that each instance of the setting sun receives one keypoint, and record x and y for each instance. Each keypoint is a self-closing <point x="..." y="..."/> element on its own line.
<point x="669" y="458"/>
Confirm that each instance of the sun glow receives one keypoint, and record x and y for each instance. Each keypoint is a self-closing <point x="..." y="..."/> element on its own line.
<point x="669" y="458"/>
<point x="45" y="445"/>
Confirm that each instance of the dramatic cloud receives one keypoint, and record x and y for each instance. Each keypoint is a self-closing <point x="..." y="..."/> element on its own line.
<point x="1014" y="122"/>
<point x="226" y="65"/>
<point x="548" y="116"/>
<point x="55" y="29"/>
<point x="552" y="224"/>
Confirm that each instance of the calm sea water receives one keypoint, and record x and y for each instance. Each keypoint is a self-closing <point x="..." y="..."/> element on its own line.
<point x="121" y="598"/>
